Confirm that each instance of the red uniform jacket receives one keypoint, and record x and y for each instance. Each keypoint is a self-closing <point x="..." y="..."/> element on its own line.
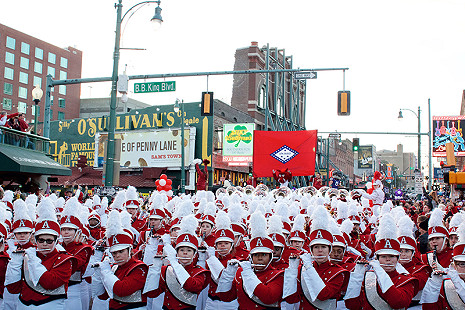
<point x="59" y="268"/>
<point x="145" y="235"/>
<point x="417" y="269"/>
<point x="132" y="276"/>
<point x="241" y="253"/>
<point x="81" y="252"/>
<point x="139" y="224"/>
<point x="398" y="296"/>
<point x="210" y="240"/>
<point x="212" y="290"/>
<point x="270" y="291"/>
<point x="335" y="277"/>
<point x="97" y="233"/>
<point x="4" y="258"/>
<point x="198" y="280"/>
<point x="444" y="258"/>
<point x="441" y="304"/>
<point x="202" y="177"/>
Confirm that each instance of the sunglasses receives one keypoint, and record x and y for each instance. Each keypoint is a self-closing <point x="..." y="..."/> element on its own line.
<point x="42" y="240"/>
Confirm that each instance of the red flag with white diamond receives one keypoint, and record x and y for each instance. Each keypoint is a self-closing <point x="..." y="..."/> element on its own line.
<point x="279" y="150"/>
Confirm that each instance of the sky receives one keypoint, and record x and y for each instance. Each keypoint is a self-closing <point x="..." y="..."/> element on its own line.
<point x="399" y="52"/>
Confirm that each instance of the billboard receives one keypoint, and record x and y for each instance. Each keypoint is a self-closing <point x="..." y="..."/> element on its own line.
<point x="153" y="148"/>
<point x="448" y="129"/>
<point x="365" y="157"/>
<point x="238" y="139"/>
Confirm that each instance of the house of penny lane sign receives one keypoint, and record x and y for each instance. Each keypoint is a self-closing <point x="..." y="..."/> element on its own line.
<point x="154" y="87"/>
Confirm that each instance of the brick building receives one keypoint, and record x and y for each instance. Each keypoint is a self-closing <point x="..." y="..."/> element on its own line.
<point x="286" y="96"/>
<point x="25" y="61"/>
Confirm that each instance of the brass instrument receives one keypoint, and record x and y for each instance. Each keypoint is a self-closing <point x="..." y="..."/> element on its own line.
<point x="249" y="190"/>
<point x="231" y="190"/>
<point x="220" y="191"/>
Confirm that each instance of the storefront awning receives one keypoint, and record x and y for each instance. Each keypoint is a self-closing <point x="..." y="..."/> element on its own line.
<point x="18" y="159"/>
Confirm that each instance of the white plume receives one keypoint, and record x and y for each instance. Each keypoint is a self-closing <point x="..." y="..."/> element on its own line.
<point x="457" y="219"/>
<point x="342" y="210"/>
<point x="235" y="213"/>
<point x="461" y="232"/>
<point x="347" y="226"/>
<point x="275" y="225"/>
<point x="222" y="220"/>
<point x="31" y="200"/>
<point x="299" y="223"/>
<point x="20" y="210"/>
<point x="210" y="209"/>
<point x="320" y="218"/>
<point x="131" y="193"/>
<point x="46" y="210"/>
<point x="387" y="228"/>
<point x="114" y="226"/>
<point x="258" y="225"/>
<point x="188" y="225"/>
<point x="72" y="207"/>
<point x="405" y="226"/>
<point x="436" y="218"/>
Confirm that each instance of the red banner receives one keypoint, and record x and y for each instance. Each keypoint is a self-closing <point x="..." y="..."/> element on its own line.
<point x="278" y="150"/>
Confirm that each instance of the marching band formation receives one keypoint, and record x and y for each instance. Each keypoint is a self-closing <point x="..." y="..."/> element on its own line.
<point x="238" y="248"/>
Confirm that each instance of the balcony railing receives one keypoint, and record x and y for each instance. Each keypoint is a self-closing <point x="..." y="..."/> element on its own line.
<point x="23" y="139"/>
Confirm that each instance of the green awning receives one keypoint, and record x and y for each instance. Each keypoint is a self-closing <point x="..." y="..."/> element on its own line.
<point x="18" y="159"/>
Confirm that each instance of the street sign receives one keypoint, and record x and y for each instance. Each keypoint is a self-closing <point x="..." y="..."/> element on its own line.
<point x="305" y="75"/>
<point x="154" y="87"/>
<point x="418" y="182"/>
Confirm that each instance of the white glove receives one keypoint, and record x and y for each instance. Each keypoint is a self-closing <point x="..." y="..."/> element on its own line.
<point x="458" y="282"/>
<point x="384" y="280"/>
<point x="355" y="282"/>
<point x="36" y="269"/>
<point x="215" y="266"/>
<point x="13" y="269"/>
<point x="294" y="263"/>
<point x="179" y="271"/>
<point x="307" y="260"/>
<point x="249" y="278"/>
<point x="97" y="284"/>
<point x="153" y="276"/>
<point x="166" y="238"/>
<point x="227" y="276"/>
<point x="313" y="280"/>
<point x="108" y="277"/>
<point x="431" y="290"/>
<point x="210" y="252"/>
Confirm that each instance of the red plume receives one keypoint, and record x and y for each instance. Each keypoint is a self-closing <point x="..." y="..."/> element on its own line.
<point x="377" y="175"/>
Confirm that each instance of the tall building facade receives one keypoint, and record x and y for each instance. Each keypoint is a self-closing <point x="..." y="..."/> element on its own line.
<point x="285" y="96"/>
<point x="25" y="61"/>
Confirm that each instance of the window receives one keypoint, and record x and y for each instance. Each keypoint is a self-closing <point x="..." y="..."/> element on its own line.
<point x="262" y="97"/>
<point x="8" y="89"/>
<point x="7" y="103"/>
<point x="52" y="58"/>
<point x="51" y="71"/>
<point x="37" y="81"/>
<point x="39" y="53"/>
<point x="61" y="103"/>
<point x="38" y="67"/>
<point x="25" y="48"/>
<point x="63" y="75"/>
<point x="61" y="116"/>
<point x="22" y="92"/>
<point x="62" y="89"/>
<point x="51" y="100"/>
<point x="10" y="43"/>
<point x="24" y="63"/>
<point x="9" y="73"/>
<point x="22" y="107"/>
<point x="23" y="77"/>
<point x="10" y="58"/>
<point x="64" y="62"/>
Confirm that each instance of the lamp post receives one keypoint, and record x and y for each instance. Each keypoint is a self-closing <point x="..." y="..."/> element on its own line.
<point x="157" y="20"/>
<point x="179" y="105"/>
<point x="419" y="132"/>
<point x="37" y="94"/>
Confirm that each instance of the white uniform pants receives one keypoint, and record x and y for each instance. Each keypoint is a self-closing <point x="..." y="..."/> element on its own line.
<point x="10" y="301"/>
<point x="58" y="304"/>
<point x="73" y="302"/>
<point x="221" y="305"/>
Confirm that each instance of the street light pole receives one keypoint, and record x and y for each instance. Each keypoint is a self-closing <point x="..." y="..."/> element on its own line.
<point x="419" y="132"/>
<point x="37" y="94"/>
<point x="430" y="146"/>
<point x="179" y="105"/>
<point x="109" y="164"/>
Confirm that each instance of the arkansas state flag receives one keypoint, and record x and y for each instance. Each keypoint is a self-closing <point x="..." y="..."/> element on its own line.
<point x="279" y="150"/>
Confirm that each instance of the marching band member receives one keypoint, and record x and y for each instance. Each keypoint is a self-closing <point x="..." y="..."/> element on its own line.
<point x="447" y="290"/>
<point x="97" y="231"/>
<point x="317" y="283"/>
<point x="132" y="206"/>
<point x="282" y="251"/>
<point x="297" y="238"/>
<point x="217" y="260"/>
<point x="124" y="282"/>
<point x="4" y="257"/>
<point x="437" y="238"/>
<point x="207" y="223"/>
<point x="381" y="287"/>
<point x="339" y="254"/>
<point x="46" y="271"/>
<point x="71" y="228"/>
<point x="22" y="229"/>
<point x="235" y="213"/>
<point x="182" y="280"/>
<point x="254" y="283"/>
<point x="454" y="223"/>
<point x="409" y="257"/>
<point x="377" y="196"/>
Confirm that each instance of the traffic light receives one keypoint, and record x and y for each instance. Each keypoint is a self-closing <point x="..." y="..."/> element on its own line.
<point x="355" y="144"/>
<point x="207" y="104"/>
<point x="343" y="102"/>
